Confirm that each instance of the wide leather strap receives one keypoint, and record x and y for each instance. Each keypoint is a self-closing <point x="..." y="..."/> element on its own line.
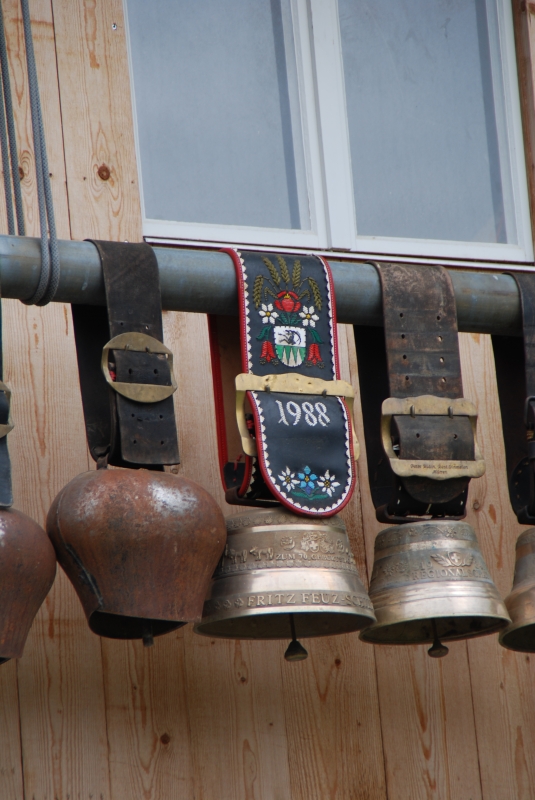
<point x="125" y="425"/>
<point x="515" y="371"/>
<point x="416" y="363"/>
<point x="6" y="492"/>
<point x="296" y="432"/>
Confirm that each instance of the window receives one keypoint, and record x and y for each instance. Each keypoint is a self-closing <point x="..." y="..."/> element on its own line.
<point x="359" y="125"/>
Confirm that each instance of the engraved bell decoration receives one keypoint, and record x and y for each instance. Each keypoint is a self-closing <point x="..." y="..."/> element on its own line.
<point x="139" y="547"/>
<point x="285" y="576"/>
<point x="520" y="634"/>
<point x="430" y="583"/>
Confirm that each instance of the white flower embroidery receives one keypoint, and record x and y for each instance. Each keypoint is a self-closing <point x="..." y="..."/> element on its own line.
<point x="288" y="480"/>
<point x="327" y="483"/>
<point x="308" y="316"/>
<point x="267" y="313"/>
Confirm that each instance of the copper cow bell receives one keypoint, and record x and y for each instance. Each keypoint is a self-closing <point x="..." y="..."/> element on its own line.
<point x="283" y="576"/>
<point x="27" y="571"/>
<point x="430" y="583"/>
<point x="139" y="548"/>
<point x="520" y="635"/>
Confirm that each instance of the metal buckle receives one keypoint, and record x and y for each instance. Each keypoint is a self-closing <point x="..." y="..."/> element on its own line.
<point x="288" y="383"/>
<point x="138" y="343"/>
<point x="429" y="405"/>
<point x="8" y="426"/>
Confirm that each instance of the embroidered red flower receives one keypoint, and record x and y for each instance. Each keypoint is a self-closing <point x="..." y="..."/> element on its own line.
<point x="267" y="353"/>
<point x="288" y="301"/>
<point x="314" y="356"/>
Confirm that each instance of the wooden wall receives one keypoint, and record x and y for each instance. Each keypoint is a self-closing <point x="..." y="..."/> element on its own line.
<point x="83" y="718"/>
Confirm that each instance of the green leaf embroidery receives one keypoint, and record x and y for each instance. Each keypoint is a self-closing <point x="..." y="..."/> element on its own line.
<point x="264" y="333"/>
<point x="315" y="335"/>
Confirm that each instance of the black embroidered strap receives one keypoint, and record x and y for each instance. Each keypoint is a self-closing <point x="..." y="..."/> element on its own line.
<point x="515" y="371"/>
<point x="421" y="461"/>
<point x="297" y="432"/>
<point x="127" y="382"/>
<point x="6" y="492"/>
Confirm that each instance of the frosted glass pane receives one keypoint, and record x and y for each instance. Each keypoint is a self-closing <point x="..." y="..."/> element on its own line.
<point x="217" y="108"/>
<point x="426" y="121"/>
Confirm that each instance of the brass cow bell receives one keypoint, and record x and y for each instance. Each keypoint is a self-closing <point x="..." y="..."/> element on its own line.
<point x="285" y="576"/>
<point x="430" y="583"/>
<point x="27" y="571"/>
<point x="139" y="547"/>
<point x="520" y="635"/>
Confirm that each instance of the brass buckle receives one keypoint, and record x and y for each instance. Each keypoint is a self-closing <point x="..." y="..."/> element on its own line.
<point x="429" y="405"/>
<point x="138" y="343"/>
<point x="288" y="383"/>
<point x="8" y="426"/>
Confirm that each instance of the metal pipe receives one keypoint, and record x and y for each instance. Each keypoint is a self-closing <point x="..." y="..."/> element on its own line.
<point x="204" y="281"/>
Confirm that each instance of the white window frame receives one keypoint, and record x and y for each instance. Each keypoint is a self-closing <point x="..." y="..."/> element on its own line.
<point x="328" y="161"/>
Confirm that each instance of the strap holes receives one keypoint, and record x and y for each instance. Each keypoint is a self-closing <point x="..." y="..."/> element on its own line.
<point x="133" y="415"/>
<point x="404" y="356"/>
<point x="121" y="324"/>
<point x="417" y="435"/>
<point x="134" y="441"/>
<point x="402" y="335"/>
<point x="454" y="435"/>
<point x="129" y="371"/>
<point x="406" y="377"/>
<point x="161" y="416"/>
<point x="401" y="314"/>
<point x="438" y="318"/>
<point x="155" y="371"/>
<point x="163" y="441"/>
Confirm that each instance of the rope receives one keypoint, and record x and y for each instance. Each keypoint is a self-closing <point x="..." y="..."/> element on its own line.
<point x="4" y="64"/>
<point x="50" y="267"/>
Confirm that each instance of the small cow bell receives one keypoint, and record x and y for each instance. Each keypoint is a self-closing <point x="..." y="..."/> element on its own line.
<point x="285" y="576"/>
<point x="430" y="583"/>
<point x="520" y="635"/>
<point x="139" y="548"/>
<point x="27" y="571"/>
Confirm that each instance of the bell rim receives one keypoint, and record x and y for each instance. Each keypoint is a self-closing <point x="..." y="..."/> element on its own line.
<point x="297" y="612"/>
<point x="512" y="629"/>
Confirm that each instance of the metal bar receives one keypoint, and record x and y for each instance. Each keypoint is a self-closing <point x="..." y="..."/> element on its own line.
<point x="204" y="281"/>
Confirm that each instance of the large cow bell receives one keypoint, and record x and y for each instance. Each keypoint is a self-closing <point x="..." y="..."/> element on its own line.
<point x="430" y="583"/>
<point x="139" y="547"/>
<point x="27" y="571"/>
<point x="285" y="576"/>
<point x="520" y="635"/>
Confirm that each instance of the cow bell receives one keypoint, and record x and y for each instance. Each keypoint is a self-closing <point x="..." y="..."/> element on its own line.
<point x="520" y="634"/>
<point x="27" y="571"/>
<point x="430" y="583"/>
<point x="139" y="547"/>
<point x="285" y="576"/>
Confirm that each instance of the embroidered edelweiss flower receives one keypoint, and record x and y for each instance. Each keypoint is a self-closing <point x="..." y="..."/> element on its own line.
<point x="288" y="479"/>
<point x="308" y="316"/>
<point x="307" y="479"/>
<point x="327" y="483"/>
<point x="267" y="313"/>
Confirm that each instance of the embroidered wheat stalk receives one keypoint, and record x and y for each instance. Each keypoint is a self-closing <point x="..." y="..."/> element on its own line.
<point x="284" y="270"/>
<point x="275" y="277"/>
<point x="315" y="292"/>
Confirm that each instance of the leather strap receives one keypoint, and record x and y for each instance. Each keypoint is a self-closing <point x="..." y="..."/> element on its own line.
<point x="122" y="431"/>
<point x="295" y="445"/>
<point x="6" y="491"/>
<point x="515" y="371"/>
<point x="417" y="354"/>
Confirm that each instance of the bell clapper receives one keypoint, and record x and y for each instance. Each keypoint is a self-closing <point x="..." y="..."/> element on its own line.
<point x="148" y="639"/>
<point x="437" y="650"/>
<point x="295" y="650"/>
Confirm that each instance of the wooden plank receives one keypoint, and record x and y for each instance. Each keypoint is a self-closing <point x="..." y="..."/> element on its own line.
<point x="11" y="784"/>
<point x="235" y="703"/>
<point x="60" y="679"/>
<point x="501" y="680"/>
<point x="331" y="699"/>
<point x="425" y="705"/>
